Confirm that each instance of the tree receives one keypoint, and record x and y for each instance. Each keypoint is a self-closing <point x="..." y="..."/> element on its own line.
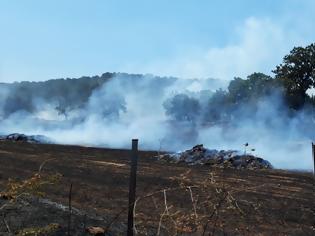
<point x="181" y="107"/>
<point x="256" y="85"/>
<point x="297" y="74"/>
<point x="217" y="109"/>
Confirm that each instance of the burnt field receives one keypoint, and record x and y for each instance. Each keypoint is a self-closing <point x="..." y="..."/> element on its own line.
<point x="173" y="199"/>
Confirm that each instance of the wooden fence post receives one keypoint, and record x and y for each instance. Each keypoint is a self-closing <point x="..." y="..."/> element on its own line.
<point x="70" y="210"/>
<point x="132" y="186"/>
<point x="313" y="154"/>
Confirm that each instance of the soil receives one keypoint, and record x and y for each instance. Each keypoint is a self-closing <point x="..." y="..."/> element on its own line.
<point x="272" y="202"/>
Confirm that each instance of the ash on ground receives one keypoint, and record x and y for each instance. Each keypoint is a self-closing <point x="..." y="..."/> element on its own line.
<point x="223" y="159"/>
<point x="17" y="137"/>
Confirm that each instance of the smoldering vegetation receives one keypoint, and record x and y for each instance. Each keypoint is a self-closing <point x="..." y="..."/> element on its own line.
<point x="274" y="115"/>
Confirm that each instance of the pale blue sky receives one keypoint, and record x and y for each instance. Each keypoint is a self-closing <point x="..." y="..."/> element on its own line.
<point x="40" y="40"/>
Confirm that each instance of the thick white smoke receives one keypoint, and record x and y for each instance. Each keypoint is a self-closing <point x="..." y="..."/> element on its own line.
<point x="123" y="109"/>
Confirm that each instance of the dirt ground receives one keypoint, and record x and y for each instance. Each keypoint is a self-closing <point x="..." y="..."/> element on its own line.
<point x="261" y="202"/>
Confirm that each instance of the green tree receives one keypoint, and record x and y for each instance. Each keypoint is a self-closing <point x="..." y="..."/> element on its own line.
<point x="217" y="109"/>
<point x="297" y="74"/>
<point x="181" y="107"/>
<point x="249" y="90"/>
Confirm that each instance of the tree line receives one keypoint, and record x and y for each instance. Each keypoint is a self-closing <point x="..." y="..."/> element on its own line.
<point x="290" y="83"/>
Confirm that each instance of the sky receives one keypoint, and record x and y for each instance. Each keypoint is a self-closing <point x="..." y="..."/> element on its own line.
<point x="41" y="40"/>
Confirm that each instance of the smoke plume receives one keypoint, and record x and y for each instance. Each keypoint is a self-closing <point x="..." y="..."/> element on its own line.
<point x="114" y="110"/>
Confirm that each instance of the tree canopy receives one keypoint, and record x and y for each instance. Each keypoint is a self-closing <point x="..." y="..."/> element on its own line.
<point x="181" y="107"/>
<point x="297" y="74"/>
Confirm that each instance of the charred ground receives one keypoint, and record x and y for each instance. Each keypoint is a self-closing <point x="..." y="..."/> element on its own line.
<point x="273" y="202"/>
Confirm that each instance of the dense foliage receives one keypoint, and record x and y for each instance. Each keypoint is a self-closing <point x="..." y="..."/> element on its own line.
<point x="182" y="107"/>
<point x="66" y="94"/>
<point x="297" y="75"/>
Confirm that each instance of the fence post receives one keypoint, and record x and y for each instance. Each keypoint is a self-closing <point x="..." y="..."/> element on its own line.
<point x="132" y="186"/>
<point x="70" y="210"/>
<point x="313" y="154"/>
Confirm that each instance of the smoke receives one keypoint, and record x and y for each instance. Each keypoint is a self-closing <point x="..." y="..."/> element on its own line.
<point x="284" y="141"/>
<point x="134" y="107"/>
<point x="257" y="43"/>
